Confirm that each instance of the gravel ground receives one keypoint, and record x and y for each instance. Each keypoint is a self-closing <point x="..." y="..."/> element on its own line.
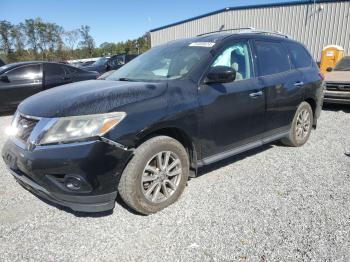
<point x="272" y="204"/>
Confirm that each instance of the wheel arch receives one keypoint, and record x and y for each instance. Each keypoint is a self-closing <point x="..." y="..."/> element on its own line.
<point x="179" y="135"/>
<point x="312" y="102"/>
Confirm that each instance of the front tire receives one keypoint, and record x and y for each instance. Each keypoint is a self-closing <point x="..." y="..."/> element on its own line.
<point x="156" y="175"/>
<point x="301" y="126"/>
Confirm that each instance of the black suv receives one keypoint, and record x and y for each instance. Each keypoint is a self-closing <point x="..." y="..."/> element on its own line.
<point x="150" y="125"/>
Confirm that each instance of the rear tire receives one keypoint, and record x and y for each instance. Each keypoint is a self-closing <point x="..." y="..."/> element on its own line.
<point x="156" y="175"/>
<point x="301" y="126"/>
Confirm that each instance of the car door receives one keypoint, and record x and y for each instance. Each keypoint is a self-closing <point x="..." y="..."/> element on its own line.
<point x="20" y="83"/>
<point x="54" y="75"/>
<point x="232" y="114"/>
<point x="305" y="64"/>
<point x="282" y="84"/>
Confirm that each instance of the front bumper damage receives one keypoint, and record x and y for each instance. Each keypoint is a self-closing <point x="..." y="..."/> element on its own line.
<point x="94" y="166"/>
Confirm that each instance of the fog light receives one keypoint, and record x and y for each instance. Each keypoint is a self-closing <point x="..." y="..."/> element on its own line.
<point x="73" y="183"/>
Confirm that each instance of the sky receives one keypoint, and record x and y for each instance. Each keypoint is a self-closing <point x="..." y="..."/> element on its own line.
<point x="114" y="20"/>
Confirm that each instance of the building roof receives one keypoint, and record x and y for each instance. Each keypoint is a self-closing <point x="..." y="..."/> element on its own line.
<point x="291" y="3"/>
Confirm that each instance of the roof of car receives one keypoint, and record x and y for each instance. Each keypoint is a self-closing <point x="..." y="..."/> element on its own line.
<point x="11" y="66"/>
<point x="210" y="38"/>
<point x="215" y="37"/>
<point x="24" y="63"/>
<point x="219" y="37"/>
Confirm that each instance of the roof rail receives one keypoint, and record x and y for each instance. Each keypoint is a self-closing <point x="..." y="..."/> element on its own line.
<point x="250" y="30"/>
<point x="267" y="32"/>
<point x="226" y="30"/>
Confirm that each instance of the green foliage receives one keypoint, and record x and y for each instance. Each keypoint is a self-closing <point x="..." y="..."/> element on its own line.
<point x="35" y="39"/>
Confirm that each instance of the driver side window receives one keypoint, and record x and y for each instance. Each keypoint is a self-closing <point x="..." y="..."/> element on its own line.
<point x="236" y="56"/>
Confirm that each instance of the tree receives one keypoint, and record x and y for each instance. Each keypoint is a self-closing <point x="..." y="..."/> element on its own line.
<point x="5" y="36"/>
<point x="18" y="37"/>
<point x="72" y="38"/>
<point x="31" y="33"/>
<point x="87" y="42"/>
<point x="35" y="38"/>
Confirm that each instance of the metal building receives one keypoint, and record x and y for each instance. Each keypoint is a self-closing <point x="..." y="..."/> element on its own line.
<point x="315" y="23"/>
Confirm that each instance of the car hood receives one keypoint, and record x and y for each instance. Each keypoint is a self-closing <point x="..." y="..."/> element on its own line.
<point x="89" y="97"/>
<point x="338" y="76"/>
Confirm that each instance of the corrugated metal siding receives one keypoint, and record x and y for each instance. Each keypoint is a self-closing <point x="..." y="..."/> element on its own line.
<point x="302" y="22"/>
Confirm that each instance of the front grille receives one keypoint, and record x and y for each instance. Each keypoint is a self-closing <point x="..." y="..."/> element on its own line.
<point x="338" y="87"/>
<point x="25" y="127"/>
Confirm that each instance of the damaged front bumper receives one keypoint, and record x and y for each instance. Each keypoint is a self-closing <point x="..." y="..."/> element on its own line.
<point x="82" y="176"/>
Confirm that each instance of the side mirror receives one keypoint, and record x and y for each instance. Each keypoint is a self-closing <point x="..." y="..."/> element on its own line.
<point x="329" y="69"/>
<point x="4" y="79"/>
<point x="221" y="74"/>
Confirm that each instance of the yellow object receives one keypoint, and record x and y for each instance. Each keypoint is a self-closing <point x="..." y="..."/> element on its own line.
<point x="331" y="55"/>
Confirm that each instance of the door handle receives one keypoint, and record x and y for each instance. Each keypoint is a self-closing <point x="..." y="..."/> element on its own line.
<point x="299" y="83"/>
<point x="256" y="94"/>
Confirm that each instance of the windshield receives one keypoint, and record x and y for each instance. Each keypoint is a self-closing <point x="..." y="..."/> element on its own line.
<point x="343" y="65"/>
<point x="101" y="61"/>
<point x="166" y="62"/>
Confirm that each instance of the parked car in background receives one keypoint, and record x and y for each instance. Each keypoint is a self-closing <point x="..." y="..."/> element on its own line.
<point x="76" y="64"/>
<point x="86" y="63"/>
<point x="21" y="80"/>
<point x="105" y="75"/>
<point x="105" y="64"/>
<point x="151" y="124"/>
<point x="117" y="61"/>
<point x="338" y="83"/>
<point x="99" y="66"/>
<point x="2" y="63"/>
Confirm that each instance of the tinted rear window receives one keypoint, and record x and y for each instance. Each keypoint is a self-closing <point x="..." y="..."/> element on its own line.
<point x="72" y="70"/>
<point x="272" y="58"/>
<point x="54" y="69"/>
<point x="300" y="57"/>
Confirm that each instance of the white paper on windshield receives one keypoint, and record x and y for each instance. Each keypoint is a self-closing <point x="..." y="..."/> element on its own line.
<point x="203" y="44"/>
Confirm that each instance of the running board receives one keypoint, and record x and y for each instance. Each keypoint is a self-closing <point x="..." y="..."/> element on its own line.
<point x="238" y="150"/>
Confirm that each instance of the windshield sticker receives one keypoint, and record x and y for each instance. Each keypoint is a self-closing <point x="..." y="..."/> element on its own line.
<point x="203" y="44"/>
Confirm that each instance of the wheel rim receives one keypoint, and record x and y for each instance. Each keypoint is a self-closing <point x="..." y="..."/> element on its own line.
<point x="303" y="125"/>
<point x="161" y="176"/>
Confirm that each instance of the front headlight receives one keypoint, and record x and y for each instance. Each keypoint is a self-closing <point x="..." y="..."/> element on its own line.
<point x="75" y="128"/>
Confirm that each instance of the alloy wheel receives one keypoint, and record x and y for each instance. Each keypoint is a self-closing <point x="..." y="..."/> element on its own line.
<point x="303" y="125"/>
<point x="161" y="176"/>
